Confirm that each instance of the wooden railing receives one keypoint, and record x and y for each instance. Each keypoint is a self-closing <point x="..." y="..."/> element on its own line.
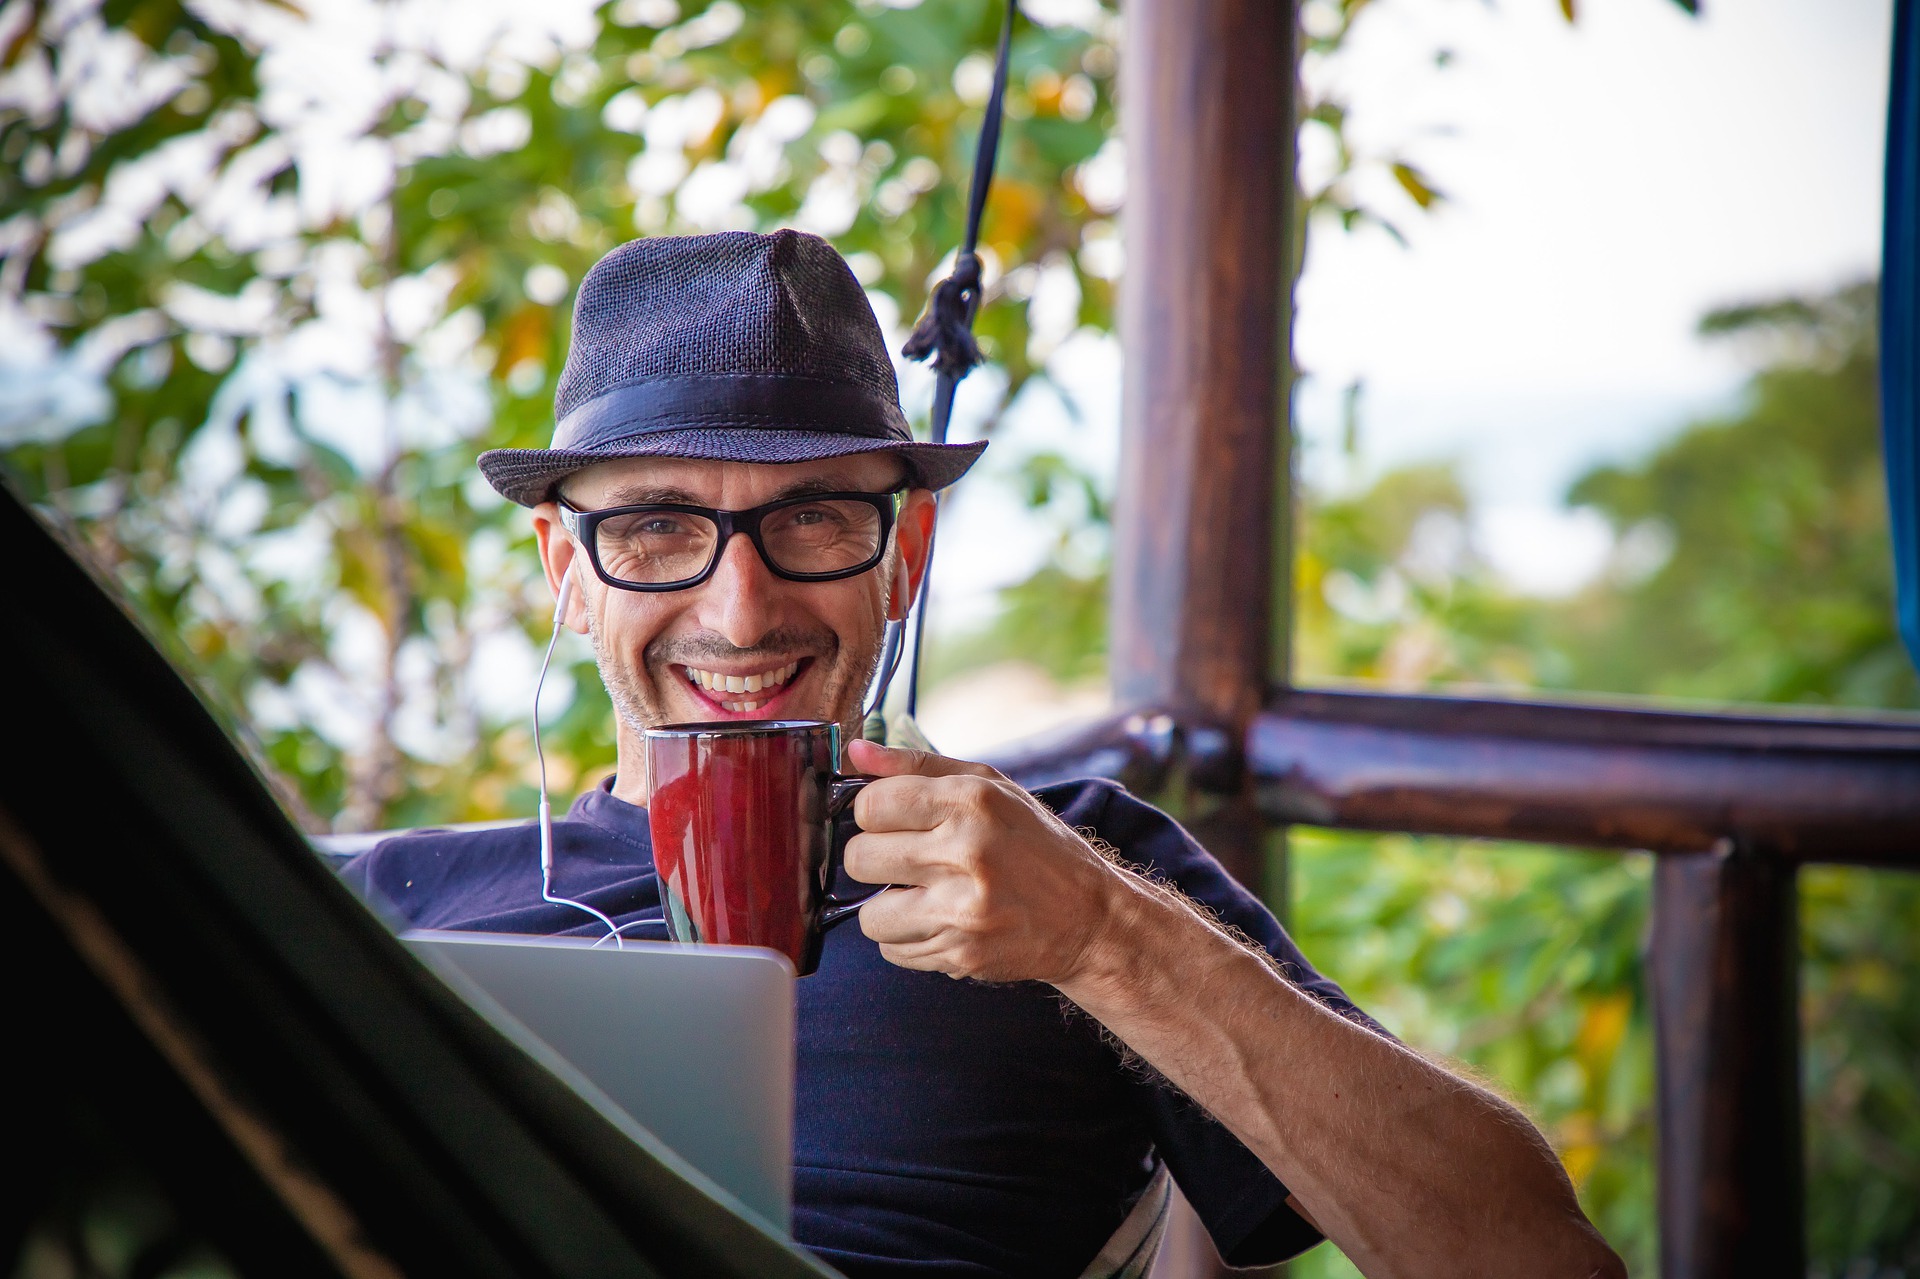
<point x="1787" y="789"/>
<point x="1790" y="789"/>
<point x="1732" y="804"/>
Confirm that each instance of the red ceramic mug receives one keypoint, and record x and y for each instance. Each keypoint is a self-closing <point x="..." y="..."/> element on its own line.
<point x="749" y="820"/>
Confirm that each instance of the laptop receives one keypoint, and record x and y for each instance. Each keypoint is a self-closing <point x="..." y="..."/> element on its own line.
<point x="695" y="1043"/>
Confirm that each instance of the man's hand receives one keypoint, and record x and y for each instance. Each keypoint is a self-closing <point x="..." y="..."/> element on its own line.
<point x="992" y="884"/>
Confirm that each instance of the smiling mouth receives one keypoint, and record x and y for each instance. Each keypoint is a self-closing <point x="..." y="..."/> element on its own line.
<point x="742" y="694"/>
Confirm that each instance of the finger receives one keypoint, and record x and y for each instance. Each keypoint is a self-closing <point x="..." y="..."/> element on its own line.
<point x="912" y="803"/>
<point x="926" y="957"/>
<point x="894" y="857"/>
<point x="896" y="917"/>
<point x="899" y="761"/>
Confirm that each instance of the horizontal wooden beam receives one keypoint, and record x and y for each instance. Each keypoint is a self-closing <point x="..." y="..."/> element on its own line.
<point x="1796" y="788"/>
<point x="1832" y="789"/>
<point x="1137" y="751"/>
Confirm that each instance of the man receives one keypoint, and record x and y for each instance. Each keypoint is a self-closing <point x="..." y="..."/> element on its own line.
<point x="1121" y="1003"/>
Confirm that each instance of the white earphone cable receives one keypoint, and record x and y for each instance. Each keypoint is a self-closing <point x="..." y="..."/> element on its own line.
<point x="546" y="808"/>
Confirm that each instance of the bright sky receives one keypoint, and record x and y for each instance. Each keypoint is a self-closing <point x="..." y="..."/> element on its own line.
<point x="1607" y="184"/>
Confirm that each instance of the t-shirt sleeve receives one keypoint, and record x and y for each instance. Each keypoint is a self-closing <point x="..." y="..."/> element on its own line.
<point x="378" y="876"/>
<point x="1241" y="1202"/>
<point x="422" y="878"/>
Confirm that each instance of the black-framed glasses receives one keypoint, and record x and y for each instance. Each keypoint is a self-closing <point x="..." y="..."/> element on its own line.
<point x="669" y="546"/>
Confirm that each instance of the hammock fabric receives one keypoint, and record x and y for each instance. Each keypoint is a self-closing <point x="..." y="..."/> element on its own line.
<point x="175" y="936"/>
<point x="1900" y="318"/>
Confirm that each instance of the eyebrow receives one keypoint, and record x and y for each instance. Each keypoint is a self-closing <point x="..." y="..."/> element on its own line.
<point x="639" y="496"/>
<point x="644" y="495"/>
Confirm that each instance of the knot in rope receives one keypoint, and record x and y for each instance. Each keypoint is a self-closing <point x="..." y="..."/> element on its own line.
<point x="945" y="332"/>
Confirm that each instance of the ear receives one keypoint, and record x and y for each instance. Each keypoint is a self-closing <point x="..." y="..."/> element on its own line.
<point x="557" y="553"/>
<point x="913" y="535"/>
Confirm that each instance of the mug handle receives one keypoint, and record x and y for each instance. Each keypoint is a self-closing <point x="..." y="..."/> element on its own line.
<point x="839" y="800"/>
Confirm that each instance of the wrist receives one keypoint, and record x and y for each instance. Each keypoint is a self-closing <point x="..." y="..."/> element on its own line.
<point x="1123" y="925"/>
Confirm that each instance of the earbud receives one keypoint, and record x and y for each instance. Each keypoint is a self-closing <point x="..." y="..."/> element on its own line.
<point x="560" y="602"/>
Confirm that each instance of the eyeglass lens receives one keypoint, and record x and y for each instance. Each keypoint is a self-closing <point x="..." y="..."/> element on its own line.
<point x="823" y="536"/>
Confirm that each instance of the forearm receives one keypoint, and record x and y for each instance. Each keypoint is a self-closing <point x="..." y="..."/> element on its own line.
<point x="1409" y="1169"/>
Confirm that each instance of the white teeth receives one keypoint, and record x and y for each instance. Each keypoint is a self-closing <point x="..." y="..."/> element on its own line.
<point x="714" y="682"/>
<point x="741" y="708"/>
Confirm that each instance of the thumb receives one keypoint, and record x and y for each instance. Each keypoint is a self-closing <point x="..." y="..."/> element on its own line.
<point x="898" y="761"/>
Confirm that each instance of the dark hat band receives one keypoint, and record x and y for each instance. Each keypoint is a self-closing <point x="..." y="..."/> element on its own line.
<point x="741" y="400"/>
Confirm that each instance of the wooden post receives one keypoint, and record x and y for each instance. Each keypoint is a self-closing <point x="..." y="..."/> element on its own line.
<point x="1724" y="974"/>
<point x="1207" y="95"/>
<point x="1207" y="105"/>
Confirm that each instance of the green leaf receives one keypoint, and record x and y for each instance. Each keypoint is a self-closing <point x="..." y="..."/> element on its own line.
<point x="1415" y="184"/>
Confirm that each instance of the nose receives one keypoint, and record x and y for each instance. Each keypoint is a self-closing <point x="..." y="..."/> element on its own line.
<point x="741" y="595"/>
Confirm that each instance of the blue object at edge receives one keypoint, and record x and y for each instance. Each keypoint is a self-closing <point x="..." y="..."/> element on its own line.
<point x="1900" y="318"/>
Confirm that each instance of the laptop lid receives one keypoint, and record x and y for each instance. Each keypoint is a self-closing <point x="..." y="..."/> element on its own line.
<point x="696" y="1044"/>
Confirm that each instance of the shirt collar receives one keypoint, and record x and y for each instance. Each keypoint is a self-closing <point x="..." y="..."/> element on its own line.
<point x="625" y="822"/>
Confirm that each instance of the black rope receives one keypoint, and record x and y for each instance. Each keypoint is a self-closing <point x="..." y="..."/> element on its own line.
<point x="945" y="332"/>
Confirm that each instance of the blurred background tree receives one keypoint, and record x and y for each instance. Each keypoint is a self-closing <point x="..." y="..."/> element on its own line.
<point x="272" y="275"/>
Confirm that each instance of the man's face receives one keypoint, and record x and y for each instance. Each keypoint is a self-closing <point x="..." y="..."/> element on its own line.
<point x="744" y="644"/>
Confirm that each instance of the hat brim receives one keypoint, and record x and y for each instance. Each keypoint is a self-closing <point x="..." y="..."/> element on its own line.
<point x="529" y="476"/>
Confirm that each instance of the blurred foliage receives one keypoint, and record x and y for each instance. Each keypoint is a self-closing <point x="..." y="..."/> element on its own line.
<point x="271" y="275"/>
<point x="1794" y="603"/>
<point x="1750" y="563"/>
<point x="274" y="274"/>
<point x="1390" y="588"/>
<point x="1332" y="196"/>
<point x="1055" y="619"/>
<point x="1521" y="962"/>
<point x="1860" y="1010"/>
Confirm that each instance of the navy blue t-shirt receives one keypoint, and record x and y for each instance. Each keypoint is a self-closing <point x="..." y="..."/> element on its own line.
<point x="942" y="1127"/>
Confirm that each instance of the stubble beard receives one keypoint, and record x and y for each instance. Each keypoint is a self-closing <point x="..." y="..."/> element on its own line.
<point x="849" y="676"/>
